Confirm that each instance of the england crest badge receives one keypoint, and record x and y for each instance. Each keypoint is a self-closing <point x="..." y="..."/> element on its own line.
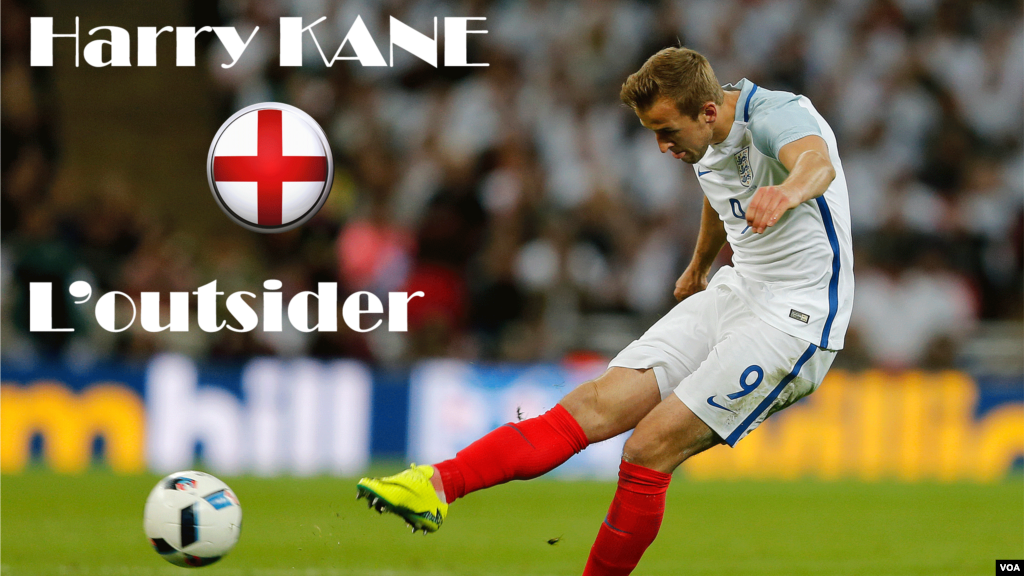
<point x="743" y="164"/>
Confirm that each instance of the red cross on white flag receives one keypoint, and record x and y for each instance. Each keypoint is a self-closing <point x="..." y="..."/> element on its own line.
<point x="270" y="167"/>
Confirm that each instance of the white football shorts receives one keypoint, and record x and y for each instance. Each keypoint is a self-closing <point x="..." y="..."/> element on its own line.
<point x="727" y="365"/>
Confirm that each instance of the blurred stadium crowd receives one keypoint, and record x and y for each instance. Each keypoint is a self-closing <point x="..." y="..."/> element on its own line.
<point x="530" y="206"/>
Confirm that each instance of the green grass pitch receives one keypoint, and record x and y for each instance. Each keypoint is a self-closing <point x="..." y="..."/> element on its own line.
<point x="91" y="525"/>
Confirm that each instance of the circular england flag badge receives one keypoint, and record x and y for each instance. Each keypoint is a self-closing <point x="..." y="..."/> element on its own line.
<point x="270" y="167"/>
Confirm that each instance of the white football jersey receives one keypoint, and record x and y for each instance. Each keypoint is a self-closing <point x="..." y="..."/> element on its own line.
<point x="798" y="275"/>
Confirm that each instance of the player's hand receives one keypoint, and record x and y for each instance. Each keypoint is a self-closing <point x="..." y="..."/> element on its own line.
<point x="768" y="205"/>
<point x="690" y="283"/>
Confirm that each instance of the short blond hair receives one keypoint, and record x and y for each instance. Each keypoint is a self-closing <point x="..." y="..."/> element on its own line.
<point x="683" y="75"/>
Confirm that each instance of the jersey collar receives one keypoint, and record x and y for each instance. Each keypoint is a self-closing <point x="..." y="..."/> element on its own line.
<point x="733" y="142"/>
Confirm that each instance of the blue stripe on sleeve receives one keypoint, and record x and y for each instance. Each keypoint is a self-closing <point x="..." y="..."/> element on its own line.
<point x="746" y="105"/>
<point x="833" y="283"/>
<point x="738" y="432"/>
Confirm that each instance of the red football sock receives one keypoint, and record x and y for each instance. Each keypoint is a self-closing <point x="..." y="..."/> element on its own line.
<point x="515" y="451"/>
<point x="632" y="523"/>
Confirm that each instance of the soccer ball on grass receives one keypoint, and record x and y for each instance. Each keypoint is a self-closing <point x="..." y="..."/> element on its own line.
<point x="192" y="519"/>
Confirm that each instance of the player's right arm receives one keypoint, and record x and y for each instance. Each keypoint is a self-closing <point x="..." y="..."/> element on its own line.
<point x="709" y="243"/>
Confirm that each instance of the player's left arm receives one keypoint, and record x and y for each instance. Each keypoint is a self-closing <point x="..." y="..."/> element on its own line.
<point x="810" y="173"/>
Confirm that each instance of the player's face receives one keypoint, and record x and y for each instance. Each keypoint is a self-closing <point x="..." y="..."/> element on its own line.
<point x="686" y="138"/>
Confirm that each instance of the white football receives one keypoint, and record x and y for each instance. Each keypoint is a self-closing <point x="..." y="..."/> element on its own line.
<point x="192" y="519"/>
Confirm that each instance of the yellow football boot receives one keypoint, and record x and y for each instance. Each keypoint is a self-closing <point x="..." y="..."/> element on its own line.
<point x="408" y="494"/>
